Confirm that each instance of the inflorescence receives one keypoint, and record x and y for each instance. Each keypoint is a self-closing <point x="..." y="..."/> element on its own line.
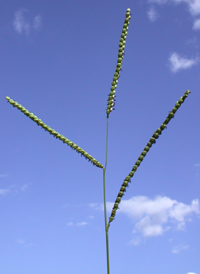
<point x="152" y="141"/>
<point x="111" y="97"/>
<point x="54" y="133"/>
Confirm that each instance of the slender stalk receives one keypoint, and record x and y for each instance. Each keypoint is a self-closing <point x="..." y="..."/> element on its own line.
<point x="104" y="194"/>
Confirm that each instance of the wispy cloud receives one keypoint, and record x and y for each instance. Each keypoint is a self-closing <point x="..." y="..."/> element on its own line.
<point x="81" y="224"/>
<point x="24" y="187"/>
<point x="196" y="25"/>
<point x="192" y="5"/>
<point x="4" y="191"/>
<point x="153" y="217"/>
<point x="152" y="14"/>
<point x="176" y="62"/>
<point x="178" y="248"/>
<point x="22" y="25"/>
<point x="3" y="175"/>
<point x="23" y="243"/>
<point x="77" y="224"/>
<point x="37" y="22"/>
<point x="69" y="223"/>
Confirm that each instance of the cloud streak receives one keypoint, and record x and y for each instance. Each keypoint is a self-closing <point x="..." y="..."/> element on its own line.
<point x="193" y="5"/>
<point x="19" y="23"/>
<point x="22" y="25"/>
<point x="196" y="25"/>
<point x="152" y="14"/>
<point x="37" y="22"/>
<point x="4" y="191"/>
<point x="176" y="62"/>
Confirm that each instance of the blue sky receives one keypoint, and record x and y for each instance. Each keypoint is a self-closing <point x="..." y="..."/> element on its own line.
<point x="57" y="60"/>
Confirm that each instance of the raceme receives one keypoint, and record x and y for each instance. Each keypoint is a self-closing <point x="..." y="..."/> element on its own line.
<point x="110" y="105"/>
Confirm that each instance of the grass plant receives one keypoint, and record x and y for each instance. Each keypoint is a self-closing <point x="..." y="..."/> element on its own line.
<point x="110" y="108"/>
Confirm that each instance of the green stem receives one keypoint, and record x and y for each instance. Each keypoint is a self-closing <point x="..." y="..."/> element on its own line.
<point x="104" y="194"/>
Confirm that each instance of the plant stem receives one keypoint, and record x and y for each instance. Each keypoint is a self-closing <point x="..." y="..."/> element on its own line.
<point x="104" y="194"/>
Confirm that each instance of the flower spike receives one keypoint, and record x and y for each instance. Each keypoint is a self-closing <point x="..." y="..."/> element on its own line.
<point x="54" y="133"/>
<point x="122" y="43"/>
<point x="152" y="141"/>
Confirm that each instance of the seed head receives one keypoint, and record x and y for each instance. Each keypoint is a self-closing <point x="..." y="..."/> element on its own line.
<point x="152" y="141"/>
<point x="54" y="133"/>
<point x="122" y="43"/>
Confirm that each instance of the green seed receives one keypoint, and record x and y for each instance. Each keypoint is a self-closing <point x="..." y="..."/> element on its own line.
<point x="113" y="212"/>
<point x="144" y="153"/>
<point x="135" y="167"/>
<point x="174" y="110"/>
<point x="131" y="173"/>
<point x="163" y="126"/>
<point x="152" y="140"/>
<point x="123" y="188"/>
<point x="167" y="121"/>
<point x="138" y="162"/>
<point x="116" y="205"/>
<point x="141" y="157"/>
<point x="158" y="131"/>
<point x="118" y="200"/>
<point x="177" y="105"/>
<point x="149" y="144"/>
<point x="120" y="194"/>
<point x="171" y="115"/>
<point x="155" y="135"/>
<point x="125" y="183"/>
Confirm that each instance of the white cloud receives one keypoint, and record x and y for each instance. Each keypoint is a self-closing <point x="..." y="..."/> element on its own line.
<point x="24" y="187"/>
<point x="78" y="224"/>
<point x="82" y="223"/>
<point x="193" y="5"/>
<point x="196" y="25"/>
<point x="94" y="205"/>
<point x="153" y="217"/>
<point x="24" y="244"/>
<point x="20" y="23"/>
<point x="4" y="191"/>
<point x="177" y="249"/>
<point x="152" y="14"/>
<point x="191" y="273"/>
<point x="177" y="63"/>
<point x="37" y="22"/>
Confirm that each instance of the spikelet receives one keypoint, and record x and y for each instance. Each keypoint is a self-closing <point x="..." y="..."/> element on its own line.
<point x="54" y="133"/>
<point x="122" y="42"/>
<point x="152" y="141"/>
